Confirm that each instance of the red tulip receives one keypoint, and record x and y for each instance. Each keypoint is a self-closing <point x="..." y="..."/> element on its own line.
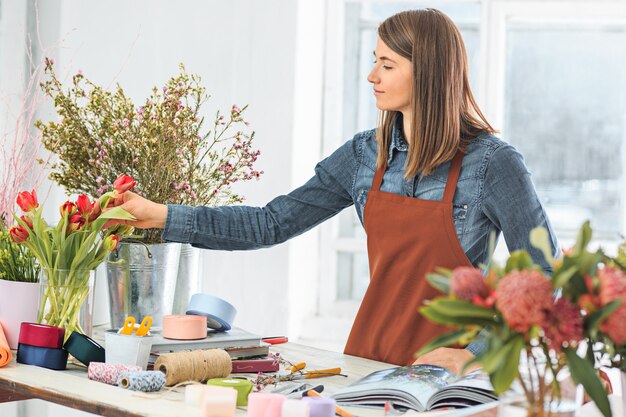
<point x="111" y="242"/>
<point x="124" y="183"/>
<point x="18" y="234"/>
<point x="27" y="201"/>
<point x="85" y="207"/>
<point x="76" y="222"/>
<point x="28" y="221"/>
<point x="67" y="208"/>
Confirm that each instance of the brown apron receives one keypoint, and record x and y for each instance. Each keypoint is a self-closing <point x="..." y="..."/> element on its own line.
<point x="407" y="238"/>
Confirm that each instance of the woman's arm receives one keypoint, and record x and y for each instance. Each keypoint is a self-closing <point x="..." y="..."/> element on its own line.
<point x="245" y="227"/>
<point x="510" y="201"/>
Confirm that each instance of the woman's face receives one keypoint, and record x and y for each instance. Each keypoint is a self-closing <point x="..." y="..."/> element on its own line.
<point x="392" y="79"/>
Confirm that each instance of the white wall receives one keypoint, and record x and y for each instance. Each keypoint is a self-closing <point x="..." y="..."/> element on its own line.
<point x="246" y="52"/>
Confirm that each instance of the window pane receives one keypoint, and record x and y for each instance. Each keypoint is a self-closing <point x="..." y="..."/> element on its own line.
<point x="352" y="268"/>
<point x="359" y="106"/>
<point x="565" y="111"/>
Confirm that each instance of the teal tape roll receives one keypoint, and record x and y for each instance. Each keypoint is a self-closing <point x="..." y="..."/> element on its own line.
<point x="84" y="348"/>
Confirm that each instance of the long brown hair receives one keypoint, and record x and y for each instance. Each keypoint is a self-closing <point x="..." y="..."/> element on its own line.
<point x="445" y="114"/>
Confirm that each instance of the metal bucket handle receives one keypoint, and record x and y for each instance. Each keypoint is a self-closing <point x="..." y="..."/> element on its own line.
<point x="127" y="240"/>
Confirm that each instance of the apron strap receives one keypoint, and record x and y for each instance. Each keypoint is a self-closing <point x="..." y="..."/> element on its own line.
<point x="378" y="177"/>
<point x="453" y="177"/>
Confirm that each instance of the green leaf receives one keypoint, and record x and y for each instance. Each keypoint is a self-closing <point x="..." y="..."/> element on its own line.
<point x="540" y="239"/>
<point x="117" y="213"/>
<point x="584" y="237"/>
<point x="503" y="376"/>
<point x="561" y="277"/>
<point x="438" y="315"/>
<point x="440" y="282"/>
<point x="595" y="318"/>
<point x="584" y="373"/>
<point x="461" y="308"/>
<point x="519" y="260"/>
<point x="446" y="339"/>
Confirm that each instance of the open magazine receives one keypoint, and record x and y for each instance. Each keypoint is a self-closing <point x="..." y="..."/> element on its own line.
<point x="418" y="387"/>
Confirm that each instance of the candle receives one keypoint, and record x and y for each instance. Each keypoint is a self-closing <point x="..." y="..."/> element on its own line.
<point x="295" y="408"/>
<point x="218" y="401"/>
<point x="265" y="404"/>
<point x="321" y="407"/>
<point x="194" y="394"/>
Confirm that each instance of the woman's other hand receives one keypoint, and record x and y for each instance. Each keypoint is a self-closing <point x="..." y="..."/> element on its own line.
<point x="452" y="359"/>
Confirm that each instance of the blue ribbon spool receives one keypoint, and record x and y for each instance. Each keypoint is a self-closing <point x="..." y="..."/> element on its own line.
<point x="44" y="357"/>
<point x="219" y="313"/>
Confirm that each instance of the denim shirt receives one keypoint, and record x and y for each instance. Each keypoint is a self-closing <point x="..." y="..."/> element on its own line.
<point x="494" y="193"/>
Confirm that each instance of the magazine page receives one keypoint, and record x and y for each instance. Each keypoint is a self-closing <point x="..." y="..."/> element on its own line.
<point x="408" y="386"/>
<point x="471" y="389"/>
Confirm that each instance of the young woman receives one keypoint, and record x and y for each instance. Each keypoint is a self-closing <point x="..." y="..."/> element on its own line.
<point x="429" y="185"/>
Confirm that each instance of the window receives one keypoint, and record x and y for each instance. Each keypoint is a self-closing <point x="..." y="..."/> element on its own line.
<point x="346" y="278"/>
<point x="549" y="75"/>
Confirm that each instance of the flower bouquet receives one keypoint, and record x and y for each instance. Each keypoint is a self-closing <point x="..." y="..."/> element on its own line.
<point x="534" y="322"/>
<point x="162" y="143"/>
<point x="69" y="251"/>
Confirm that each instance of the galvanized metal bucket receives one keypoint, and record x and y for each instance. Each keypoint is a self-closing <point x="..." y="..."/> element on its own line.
<point x="142" y="281"/>
<point x="188" y="282"/>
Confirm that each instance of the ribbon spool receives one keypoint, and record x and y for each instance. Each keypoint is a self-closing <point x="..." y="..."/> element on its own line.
<point x="44" y="357"/>
<point x="219" y="313"/>
<point x="84" y="348"/>
<point x="321" y="407"/>
<point x="265" y="404"/>
<point x="184" y="327"/>
<point x="194" y="365"/>
<point x="242" y="386"/>
<point x="108" y="373"/>
<point x="41" y="335"/>
<point x="145" y="381"/>
<point x="5" y="350"/>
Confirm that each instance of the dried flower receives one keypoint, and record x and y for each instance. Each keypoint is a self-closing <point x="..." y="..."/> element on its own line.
<point x="165" y="135"/>
<point x="467" y="282"/>
<point x="524" y="298"/>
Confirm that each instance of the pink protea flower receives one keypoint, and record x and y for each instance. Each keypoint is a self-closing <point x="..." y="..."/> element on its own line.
<point x="564" y="324"/>
<point x="467" y="282"/>
<point x="612" y="288"/>
<point x="524" y="298"/>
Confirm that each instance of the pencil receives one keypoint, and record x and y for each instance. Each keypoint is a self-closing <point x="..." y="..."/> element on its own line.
<point x="338" y="410"/>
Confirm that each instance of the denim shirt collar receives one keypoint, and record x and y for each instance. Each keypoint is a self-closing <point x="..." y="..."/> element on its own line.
<point x="398" y="143"/>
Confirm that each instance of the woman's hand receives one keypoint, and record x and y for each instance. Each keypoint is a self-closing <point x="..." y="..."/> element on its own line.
<point x="452" y="359"/>
<point x="148" y="214"/>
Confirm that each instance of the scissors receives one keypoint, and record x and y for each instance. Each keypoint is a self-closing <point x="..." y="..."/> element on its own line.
<point x="142" y="330"/>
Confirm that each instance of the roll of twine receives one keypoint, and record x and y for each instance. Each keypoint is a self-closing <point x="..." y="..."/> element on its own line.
<point x="194" y="365"/>
<point x="107" y="372"/>
<point x="145" y="381"/>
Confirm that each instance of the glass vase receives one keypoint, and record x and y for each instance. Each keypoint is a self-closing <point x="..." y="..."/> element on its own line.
<point x="537" y="392"/>
<point x="67" y="299"/>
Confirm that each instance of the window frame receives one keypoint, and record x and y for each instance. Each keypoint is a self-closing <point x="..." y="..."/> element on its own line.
<point x="490" y="95"/>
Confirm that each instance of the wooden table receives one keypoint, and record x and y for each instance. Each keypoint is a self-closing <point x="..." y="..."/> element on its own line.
<point x="72" y="388"/>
